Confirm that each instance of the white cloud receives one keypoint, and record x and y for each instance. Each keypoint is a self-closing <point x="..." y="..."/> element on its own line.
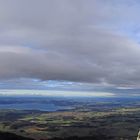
<point x="54" y="93"/>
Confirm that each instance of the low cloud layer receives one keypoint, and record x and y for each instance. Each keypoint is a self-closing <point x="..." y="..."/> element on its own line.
<point x="82" y="41"/>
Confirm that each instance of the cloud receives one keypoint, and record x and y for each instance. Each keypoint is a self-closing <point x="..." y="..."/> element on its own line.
<point x="54" y="93"/>
<point x="70" y="40"/>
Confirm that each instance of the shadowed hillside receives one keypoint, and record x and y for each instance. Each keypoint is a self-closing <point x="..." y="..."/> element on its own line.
<point x="84" y="138"/>
<point x="10" y="136"/>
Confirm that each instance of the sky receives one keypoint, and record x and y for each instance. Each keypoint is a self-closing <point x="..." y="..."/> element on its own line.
<point x="70" y="45"/>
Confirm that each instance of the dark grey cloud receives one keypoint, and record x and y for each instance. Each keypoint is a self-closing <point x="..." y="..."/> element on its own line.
<point x="71" y="40"/>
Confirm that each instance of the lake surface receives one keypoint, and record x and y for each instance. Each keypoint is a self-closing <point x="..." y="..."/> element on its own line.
<point x="62" y="103"/>
<point x="33" y="103"/>
<point x="33" y="106"/>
